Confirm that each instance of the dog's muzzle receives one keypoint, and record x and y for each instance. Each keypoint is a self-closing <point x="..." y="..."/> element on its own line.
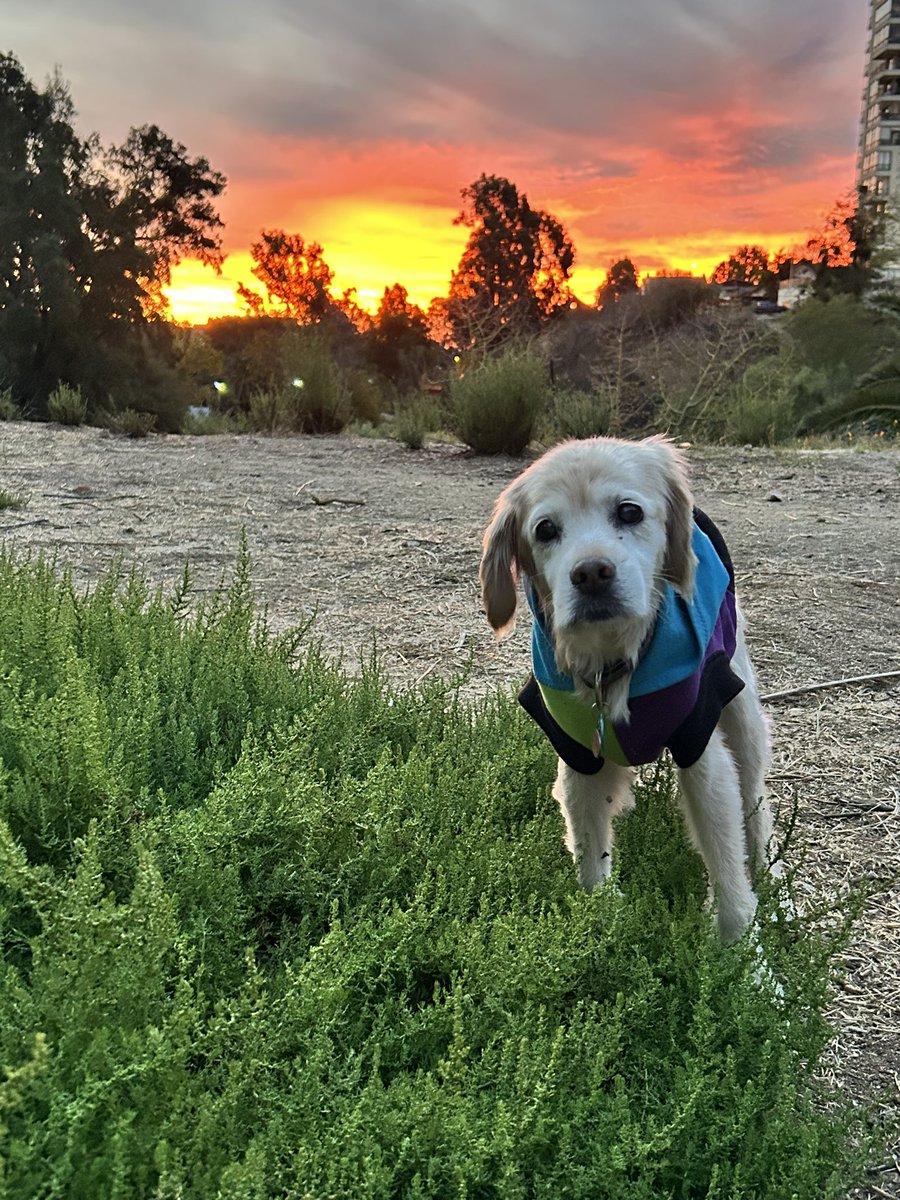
<point x="594" y="580"/>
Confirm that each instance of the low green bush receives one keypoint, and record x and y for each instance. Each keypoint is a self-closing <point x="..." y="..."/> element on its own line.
<point x="213" y="423"/>
<point x="9" y="410"/>
<point x="67" y="405"/>
<point x="271" y="929"/>
<point x="494" y="406"/>
<point x="761" y="408"/>
<point x="368" y="395"/>
<point x="11" y="499"/>
<point x="130" y="423"/>
<point x="267" y="411"/>
<point x="574" y="414"/>
<point x="316" y="399"/>
<point x="416" y="416"/>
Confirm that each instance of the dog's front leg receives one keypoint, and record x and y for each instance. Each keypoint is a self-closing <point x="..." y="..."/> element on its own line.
<point x="711" y="799"/>
<point x="589" y="803"/>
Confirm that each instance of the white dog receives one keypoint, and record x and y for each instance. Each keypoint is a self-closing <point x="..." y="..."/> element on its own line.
<point x="637" y="645"/>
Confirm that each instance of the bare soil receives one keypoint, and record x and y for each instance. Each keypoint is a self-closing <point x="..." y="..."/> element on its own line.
<point x="382" y="545"/>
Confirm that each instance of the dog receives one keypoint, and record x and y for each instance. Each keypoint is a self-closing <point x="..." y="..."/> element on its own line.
<point x="637" y="645"/>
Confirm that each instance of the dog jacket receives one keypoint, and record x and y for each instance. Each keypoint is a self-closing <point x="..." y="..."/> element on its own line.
<point x="682" y="681"/>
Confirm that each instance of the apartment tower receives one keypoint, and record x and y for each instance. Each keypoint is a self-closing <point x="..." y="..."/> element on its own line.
<point x="878" y="171"/>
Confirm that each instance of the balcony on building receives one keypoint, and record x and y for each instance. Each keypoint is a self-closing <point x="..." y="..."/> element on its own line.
<point x="885" y="42"/>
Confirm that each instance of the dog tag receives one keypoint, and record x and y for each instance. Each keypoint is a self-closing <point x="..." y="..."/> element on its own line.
<point x="597" y="741"/>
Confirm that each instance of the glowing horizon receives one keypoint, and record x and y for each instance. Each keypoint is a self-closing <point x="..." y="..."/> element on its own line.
<point x="371" y="252"/>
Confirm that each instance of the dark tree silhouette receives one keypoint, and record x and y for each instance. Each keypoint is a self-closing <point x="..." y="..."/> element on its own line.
<point x="295" y="276"/>
<point x="748" y="264"/>
<point x="513" y="273"/>
<point x="87" y="240"/>
<point x="621" y="280"/>
<point x="167" y="199"/>
<point x="398" y="345"/>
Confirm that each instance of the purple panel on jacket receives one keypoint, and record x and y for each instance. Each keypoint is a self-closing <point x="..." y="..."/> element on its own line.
<point x="656" y="717"/>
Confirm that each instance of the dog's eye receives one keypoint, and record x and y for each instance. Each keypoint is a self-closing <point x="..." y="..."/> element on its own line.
<point x="546" y="530"/>
<point x="629" y="513"/>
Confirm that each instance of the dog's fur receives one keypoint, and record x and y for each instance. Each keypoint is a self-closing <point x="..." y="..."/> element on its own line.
<point x="579" y="486"/>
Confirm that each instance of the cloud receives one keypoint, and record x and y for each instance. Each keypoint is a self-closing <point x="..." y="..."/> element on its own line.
<point x="659" y="123"/>
<point x="564" y="67"/>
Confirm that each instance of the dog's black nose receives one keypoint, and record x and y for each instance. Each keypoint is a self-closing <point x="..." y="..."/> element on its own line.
<point x="592" y="576"/>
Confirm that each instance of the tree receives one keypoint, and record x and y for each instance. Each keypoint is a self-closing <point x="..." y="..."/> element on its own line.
<point x="846" y="236"/>
<point x="200" y="363"/>
<point x="353" y="310"/>
<point x="398" y="345"/>
<point x="87" y="239"/>
<point x="44" y="254"/>
<point x="166" y="199"/>
<point x="748" y="264"/>
<point x="251" y="354"/>
<point x="842" y="249"/>
<point x="513" y="273"/>
<point x="621" y="280"/>
<point x="844" y="333"/>
<point x="295" y="276"/>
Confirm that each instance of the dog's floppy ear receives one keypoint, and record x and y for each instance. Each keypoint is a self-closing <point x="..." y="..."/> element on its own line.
<point x="499" y="565"/>
<point x="680" y="562"/>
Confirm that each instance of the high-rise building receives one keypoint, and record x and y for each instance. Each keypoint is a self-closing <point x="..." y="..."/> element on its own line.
<point x="878" y="170"/>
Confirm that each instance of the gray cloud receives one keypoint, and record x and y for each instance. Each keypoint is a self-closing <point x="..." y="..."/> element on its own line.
<point x="589" y="90"/>
<point x="406" y="69"/>
<point x="569" y="67"/>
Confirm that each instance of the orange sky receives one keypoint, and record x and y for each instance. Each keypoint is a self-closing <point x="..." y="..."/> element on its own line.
<point x="368" y="246"/>
<point x="668" y="131"/>
<point x="371" y="244"/>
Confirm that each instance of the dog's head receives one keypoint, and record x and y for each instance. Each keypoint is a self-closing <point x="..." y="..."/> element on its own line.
<point x="598" y="525"/>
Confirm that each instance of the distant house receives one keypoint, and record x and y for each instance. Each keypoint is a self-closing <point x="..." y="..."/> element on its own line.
<point x="798" y="285"/>
<point x="741" y="293"/>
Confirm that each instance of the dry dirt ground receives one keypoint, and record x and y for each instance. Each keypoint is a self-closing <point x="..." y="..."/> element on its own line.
<point x="383" y="543"/>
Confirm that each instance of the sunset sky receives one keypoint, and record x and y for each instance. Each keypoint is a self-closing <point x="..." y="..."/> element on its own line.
<point x="670" y="131"/>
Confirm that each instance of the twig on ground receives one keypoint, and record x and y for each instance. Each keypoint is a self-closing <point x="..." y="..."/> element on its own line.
<point x="332" y="499"/>
<point x="831" y="683"/>
<point x="21" y="524"/>
<point x="427" y="672"/>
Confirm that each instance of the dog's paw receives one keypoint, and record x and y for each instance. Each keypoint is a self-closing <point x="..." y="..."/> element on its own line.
<point x="594" y="870"/>
<point x="734" y="919"/>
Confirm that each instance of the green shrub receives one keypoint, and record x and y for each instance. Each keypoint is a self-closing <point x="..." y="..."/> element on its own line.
<point x="871" y="403"/>
<point x="841" y="332"/>
<point x="574" y="414"/>
<point x="213" y="423"/>
<point x="9" y="410"/>
<point x="316" y="398"/>
<point x="695" y="369"/>
<point x="368" y="395"/>
<point x="761" y="407"/>
<point x="66" y="405"/>
<point x="320" y="405"/>
<point x="267" y="411"/>
<point x="11" y="499"/>
<point x="273" y="930"/>
<point x="495" y="406"/>
<point x="131" y="424"/>
<point x="415" y="416"/>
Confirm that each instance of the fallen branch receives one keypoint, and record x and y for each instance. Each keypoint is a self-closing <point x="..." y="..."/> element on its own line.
<point x="831" y="683"/>
<point x="331" y="499"/>
<point x="21" y="524"/>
